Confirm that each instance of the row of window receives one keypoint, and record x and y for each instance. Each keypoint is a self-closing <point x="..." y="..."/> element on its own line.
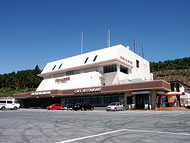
<point x="113" y="68"/>
<point x="55" y="66"/>
<point x="124" y="69"/>
<point x="97" y="101"/>
<point x="84" y="62"/>
<point x="109" y="68"/>
<point x="106" y="69"/>
<point x="9" y="102"/>
<point x="93" y="59"/>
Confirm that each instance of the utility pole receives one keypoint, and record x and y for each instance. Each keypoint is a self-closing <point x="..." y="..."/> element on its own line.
<point x="143" y="50"/>
<point x="108" y="38"/>
<point x="134" y="45"/>
<point x="82" y="43"/>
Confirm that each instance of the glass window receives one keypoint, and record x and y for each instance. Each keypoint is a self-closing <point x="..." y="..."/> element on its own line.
<point x="107" y="100"/>
<point x="113" y="103"/>
<point x="9" y="102"/>
<point x="72" y="101"/>
<point x="137" y="63"/>
<point x="67" y="101"/>
<point x="129" y="100"/>
<point x="88" y="100"/>
<point x="100" y="101"/>
<point x="78" y="100"/>
<point x="60" y="66"/>
<point x="16" y="101"/>
<point x="95" y="58"/>
<point x="2" y="101"/>
<point x="69" y="73"/>
<point x="86" y="60"/>
<point x="124" y="69"/>
<point x="82" y="100"/>
<point x="94" y="101"/>
<point x="53" y="67"/>
<point x="110" y="68"/>
<point x="114" y="98"/>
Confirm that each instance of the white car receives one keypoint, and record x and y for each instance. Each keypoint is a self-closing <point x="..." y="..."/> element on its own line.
<point x="9" y="103"/>
<point x="115" y="106"/>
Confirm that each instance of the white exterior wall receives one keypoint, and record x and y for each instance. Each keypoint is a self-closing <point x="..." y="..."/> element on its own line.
<point x="90" y="79"/>
<point x="124" y="78"/>
<point x="90" y="74"/>
<point x="111" y="78"/>
<point x="141" y="73"/>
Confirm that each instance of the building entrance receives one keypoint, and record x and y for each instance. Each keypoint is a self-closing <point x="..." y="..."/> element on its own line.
<point x="141" y="100"/>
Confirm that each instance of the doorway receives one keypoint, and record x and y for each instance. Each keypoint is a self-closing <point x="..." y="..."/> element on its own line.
<point x="141" y="100"/>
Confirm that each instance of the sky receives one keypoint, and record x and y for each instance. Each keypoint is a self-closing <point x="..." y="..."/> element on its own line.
<point x="35" y="32"/>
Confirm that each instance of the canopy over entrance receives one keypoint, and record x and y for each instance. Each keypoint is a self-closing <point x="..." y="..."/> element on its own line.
<point x="169" y="99"/>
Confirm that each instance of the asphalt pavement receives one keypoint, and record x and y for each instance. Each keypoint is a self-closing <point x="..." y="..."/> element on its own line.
<point x="43" y="126"/>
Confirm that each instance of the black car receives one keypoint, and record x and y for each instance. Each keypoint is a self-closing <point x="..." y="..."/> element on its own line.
<point x="68" y="107"/>
<point x="83" y="107"/>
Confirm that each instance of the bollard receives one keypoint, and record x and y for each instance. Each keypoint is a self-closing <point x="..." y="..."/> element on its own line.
<point x="150" y="107"/>
<point x="129" y="107"/>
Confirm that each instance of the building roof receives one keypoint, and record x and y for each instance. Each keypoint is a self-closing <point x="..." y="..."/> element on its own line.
<point x="99" y="57"/>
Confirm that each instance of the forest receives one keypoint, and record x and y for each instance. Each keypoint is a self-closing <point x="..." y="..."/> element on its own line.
<point x="183" y="63"/>
<point x="19" y="82"/>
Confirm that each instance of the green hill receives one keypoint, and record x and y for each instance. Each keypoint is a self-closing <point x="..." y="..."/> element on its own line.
<point x="183" y="63"/>
<point x="172" y="70"/>
<point x="182" y="75"/>
<point x="22" y="81"/>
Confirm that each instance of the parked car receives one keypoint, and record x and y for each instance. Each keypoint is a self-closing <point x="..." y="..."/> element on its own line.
<point x="56" y="106"/>
<point x="115" y="106"/>
<point x="68" y="107"/>
<point x="83" y="107"/>
<point x="9" y="103"/>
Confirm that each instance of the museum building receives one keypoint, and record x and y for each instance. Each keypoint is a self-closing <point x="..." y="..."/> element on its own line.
<point x="112" y="74"/>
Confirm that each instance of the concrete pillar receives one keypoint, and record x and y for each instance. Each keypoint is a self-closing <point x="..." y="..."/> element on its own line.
<point x="118" y="68"/>
<point x="127" y="94"/>
<point x="125" y="101"/>
<point x="178" y="101"/>
<point x="153" y="99"/>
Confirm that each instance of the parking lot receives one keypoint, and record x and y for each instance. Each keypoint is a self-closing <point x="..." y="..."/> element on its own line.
<point x="43" y="126"/>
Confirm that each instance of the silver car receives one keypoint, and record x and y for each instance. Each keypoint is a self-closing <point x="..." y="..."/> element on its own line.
<point x="115" y="106"/>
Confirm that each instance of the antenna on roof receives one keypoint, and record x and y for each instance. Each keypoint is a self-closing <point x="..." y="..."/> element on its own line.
<point x="108" y="38"/>
<point x="143" y="50"/>
<point x="134" y="45"/>
<point x="82" y="43"/>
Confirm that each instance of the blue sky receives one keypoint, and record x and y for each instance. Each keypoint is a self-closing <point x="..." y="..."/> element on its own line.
<point x="34" y="32"/>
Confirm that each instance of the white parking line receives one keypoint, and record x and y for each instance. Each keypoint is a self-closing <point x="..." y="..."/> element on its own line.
<point x="82" y="138"/>
<point x="158" y="132"/>
<point x="130" y="130"/>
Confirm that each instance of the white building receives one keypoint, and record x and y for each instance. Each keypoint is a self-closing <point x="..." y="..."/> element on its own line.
<point x="110" y="66"/>
<point x="113" y="74"/>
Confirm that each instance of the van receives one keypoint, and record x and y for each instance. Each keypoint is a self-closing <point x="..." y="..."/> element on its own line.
<point x="115" y="106"/>
<point x="9" y="103"/>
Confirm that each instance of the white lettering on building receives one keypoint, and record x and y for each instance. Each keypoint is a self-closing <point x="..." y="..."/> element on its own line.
<point x="88" y="90"/>
<point x="62" y="80"/>
<point x="126" y="60"/>
<point x="40" y="93"/>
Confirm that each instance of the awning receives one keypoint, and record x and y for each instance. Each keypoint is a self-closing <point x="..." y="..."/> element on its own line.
<point x="169" y="93"/>
<point x="140" y="92"/>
